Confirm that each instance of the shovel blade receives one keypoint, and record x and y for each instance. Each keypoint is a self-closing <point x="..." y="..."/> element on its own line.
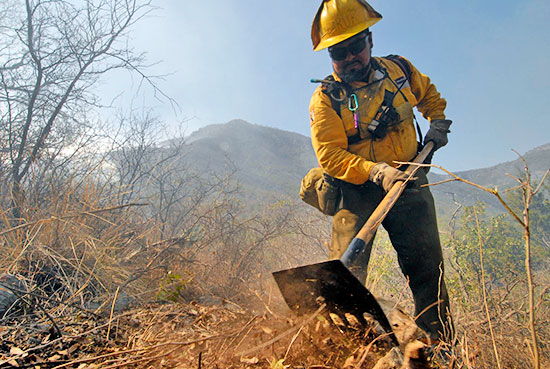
<point x="306" y="287"/>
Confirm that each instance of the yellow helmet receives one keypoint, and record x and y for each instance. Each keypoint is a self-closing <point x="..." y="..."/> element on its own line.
<point x="338" y="20"/>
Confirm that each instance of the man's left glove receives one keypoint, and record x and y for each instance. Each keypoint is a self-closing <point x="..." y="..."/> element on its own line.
<point x="438" y="132"/>
<point x="385" y="176"/>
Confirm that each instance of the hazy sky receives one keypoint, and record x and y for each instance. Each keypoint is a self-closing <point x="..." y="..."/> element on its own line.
<point x="253" y="59"/>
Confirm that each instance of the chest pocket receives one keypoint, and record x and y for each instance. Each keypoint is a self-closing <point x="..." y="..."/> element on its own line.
<point x="405" y="112"/>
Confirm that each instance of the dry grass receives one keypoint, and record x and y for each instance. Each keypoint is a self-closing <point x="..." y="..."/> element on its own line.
<point x="84" y="257"/>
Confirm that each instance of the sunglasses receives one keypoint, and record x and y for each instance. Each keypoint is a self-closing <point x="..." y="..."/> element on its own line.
<point x="340" y="53"/>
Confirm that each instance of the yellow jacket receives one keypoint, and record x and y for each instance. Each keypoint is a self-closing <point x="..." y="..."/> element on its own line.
<point x="329" y="133"/>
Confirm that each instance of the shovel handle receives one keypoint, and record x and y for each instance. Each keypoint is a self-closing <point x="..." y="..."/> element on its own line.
<point x="367" y="232"/>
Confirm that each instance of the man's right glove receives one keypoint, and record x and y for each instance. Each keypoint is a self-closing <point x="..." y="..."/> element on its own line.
<point x="438" y="132"/>
<point x="385" y="176"/>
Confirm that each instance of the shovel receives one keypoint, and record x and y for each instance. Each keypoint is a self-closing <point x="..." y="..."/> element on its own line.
<point x="331" y="282"/>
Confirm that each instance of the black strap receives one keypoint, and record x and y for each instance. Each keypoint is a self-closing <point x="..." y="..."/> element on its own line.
<point x="354" y="139"/>
<point x="405" y="67"/>
<point x="330" y="86"/>
<point x="402" y="63"/>
<point x="336" y="106"/>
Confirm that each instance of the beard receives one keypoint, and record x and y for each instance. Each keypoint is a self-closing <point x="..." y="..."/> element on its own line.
<point x="351" y="73"/>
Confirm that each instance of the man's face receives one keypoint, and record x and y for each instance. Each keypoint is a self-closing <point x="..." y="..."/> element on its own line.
<point x="351" y="57"/>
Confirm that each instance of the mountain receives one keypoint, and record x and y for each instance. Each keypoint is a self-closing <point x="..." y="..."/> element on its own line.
<point x="497" y="176"/>
<point x="269" y="164"/>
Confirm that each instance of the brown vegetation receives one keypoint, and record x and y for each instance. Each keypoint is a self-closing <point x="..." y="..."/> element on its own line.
<point x="91" y="266"/>
<point x="115" y="254"/>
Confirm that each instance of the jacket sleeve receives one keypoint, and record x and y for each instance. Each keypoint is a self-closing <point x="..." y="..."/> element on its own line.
<point x="430" y="103"/>
<point x="330" y="143"/>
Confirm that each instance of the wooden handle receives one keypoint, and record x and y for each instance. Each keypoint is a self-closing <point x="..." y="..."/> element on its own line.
<point x="367" y="232"/>
<point x="379" y="214"/>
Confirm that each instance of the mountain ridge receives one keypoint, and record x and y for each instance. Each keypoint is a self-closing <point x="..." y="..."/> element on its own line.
<point x="269" y="164"/>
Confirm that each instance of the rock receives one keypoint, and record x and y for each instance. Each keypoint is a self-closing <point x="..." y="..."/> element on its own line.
<point x="403" y="325"/>
<point x="104" y="304"/>
<point x="415" y="356"/>
<point x="8" y="298"/>
<point x="392" y="360"/>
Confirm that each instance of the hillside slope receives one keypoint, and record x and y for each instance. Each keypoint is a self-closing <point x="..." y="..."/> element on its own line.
<point x="497" y="176"/>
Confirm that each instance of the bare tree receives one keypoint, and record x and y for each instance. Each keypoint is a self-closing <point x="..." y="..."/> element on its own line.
<point x="52" y="53"/>
<point x="138" y="155"/>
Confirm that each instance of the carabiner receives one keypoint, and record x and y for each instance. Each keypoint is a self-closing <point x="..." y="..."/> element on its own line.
<point x="352" y="103"/>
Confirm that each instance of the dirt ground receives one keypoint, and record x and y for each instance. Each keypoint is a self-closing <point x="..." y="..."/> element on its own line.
<point x="180" y="335"/>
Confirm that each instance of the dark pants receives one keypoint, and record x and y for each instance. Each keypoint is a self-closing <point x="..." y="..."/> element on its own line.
<point x="412" y="227"/>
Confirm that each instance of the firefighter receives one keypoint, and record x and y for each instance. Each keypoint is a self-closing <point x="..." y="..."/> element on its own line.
<point x="361" y="123"/>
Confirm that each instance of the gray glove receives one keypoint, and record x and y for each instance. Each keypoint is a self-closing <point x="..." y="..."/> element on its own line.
<point x="438" y="132"/>
<point x="385" y="176"/>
